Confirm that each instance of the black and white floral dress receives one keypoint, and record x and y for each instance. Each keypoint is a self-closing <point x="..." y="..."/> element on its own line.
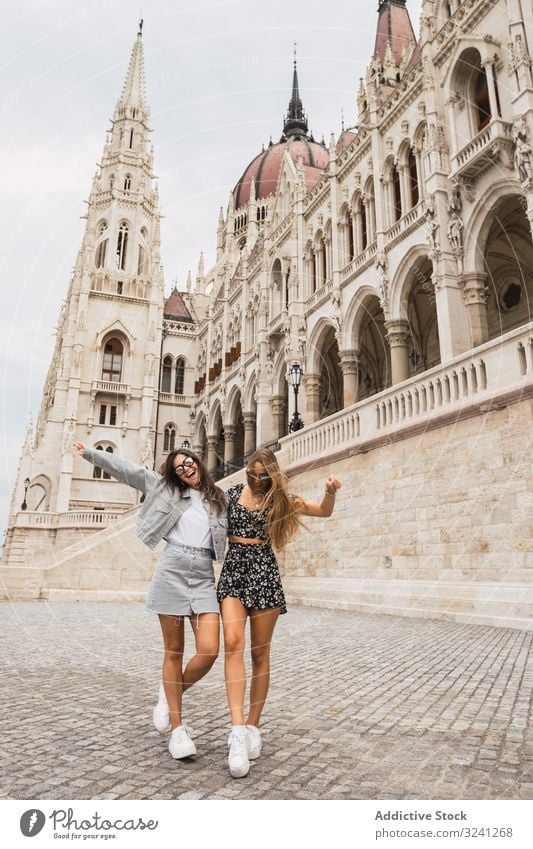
<point x="250" y="572"/>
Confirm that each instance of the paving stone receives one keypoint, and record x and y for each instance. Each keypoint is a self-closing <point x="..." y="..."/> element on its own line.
<point x="361" y="706"/>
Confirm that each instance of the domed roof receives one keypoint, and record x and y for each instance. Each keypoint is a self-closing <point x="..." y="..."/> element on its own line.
<point x="265" y="168"/>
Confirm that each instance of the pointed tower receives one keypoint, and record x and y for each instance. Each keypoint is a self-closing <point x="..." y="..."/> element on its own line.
<point x="101" y="384"/>
<point x="295" y="124"/>
<point x="394" y="45"/>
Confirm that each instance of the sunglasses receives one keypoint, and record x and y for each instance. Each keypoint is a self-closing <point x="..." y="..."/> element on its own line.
<point x="262" y="476"/>
<point x="184" y="467"/>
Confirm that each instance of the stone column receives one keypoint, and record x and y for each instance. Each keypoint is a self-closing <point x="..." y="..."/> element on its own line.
<point x="311" y="383"/>
<point x="398" y="337"/>
<point x="475" y="295"/>
<point x="249" y="433"/>
<point x="229" y="445"/>
<point x="278" y="407"/>
<point x="350" y="376"/>
<point x="489" y="73"/>
<point x="212" y="443"/>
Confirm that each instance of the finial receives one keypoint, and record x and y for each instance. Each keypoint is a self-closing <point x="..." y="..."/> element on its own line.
<point x="342" y="119"/>
<point x="295" y="44"/>
<point x="141" y="22"/>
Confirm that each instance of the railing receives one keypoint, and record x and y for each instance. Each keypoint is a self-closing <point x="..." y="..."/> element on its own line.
<point x="404" y="225"/>
<point x="110" y="386"/>
<point x="319" y="294"/>
<point x="169" y="398"/>
<point x="120" y="285"/>
<point x="480" y="153"/>
<point x="499" y="366"/>
<point x="360" y="261"/>
<point x="76" y="518"/>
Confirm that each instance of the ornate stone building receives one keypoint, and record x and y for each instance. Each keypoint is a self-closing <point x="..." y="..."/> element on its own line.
<point x="394" y="266"/>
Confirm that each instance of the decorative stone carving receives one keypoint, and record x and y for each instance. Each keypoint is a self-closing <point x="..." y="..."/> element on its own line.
<point x="147" y="455"/>
<point x="523" y="155"/>
<point x="69" y="431"/>
<point x="432" y="226"/>
<point x="455" y="224"/>
<point x="381" y="267"/>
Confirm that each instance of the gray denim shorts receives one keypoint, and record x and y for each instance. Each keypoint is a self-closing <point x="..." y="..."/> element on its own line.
<point x="183" y="583"/>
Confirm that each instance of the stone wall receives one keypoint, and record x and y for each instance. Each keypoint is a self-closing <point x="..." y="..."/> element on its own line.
<point x="455" y="503"/>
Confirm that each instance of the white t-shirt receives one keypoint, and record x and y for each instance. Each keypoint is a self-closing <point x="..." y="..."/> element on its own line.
<point x="193" y="527"/>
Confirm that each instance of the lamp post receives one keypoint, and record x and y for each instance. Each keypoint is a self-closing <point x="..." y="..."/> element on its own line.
<point x="24" y="506"/>
<point x="295" y="373"/>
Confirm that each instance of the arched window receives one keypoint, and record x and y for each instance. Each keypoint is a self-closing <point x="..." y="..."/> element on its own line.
<point x="396" y="195"/>
<point x="166" y="376"/>
<point x="131" y="139"/>
<point x="364" y="227"/>
<point x="180" y="376"/>
<point x="481" y="99"/>
<point x="122" y="246"/>
<point x="169" y="439"/>
<point x="101" y="250"/>
<point x="112" y="365"/>
<point x="413" y="179"/>
<point x="127" y="183"/>
<point x="97" y="471"/>
<point x="142" y="262"/>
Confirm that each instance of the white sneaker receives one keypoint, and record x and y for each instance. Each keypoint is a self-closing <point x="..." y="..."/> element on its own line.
<point x="161" y="713"/>
<point x="254" y="742"/>
<point x="180" y="744"/>
<point x="238" y="761"/>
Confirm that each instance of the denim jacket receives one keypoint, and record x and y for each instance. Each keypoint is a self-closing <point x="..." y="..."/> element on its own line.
<point x="161" y="509"/>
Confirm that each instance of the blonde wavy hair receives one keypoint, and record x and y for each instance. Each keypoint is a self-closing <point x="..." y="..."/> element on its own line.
<point x="283" y="520"/>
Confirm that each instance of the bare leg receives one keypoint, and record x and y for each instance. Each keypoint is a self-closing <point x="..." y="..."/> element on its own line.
<point x="173" y="641"/>
<point x="262" y="624"/>
<point x="233" y="621"/>
<point x="206" y="630"/>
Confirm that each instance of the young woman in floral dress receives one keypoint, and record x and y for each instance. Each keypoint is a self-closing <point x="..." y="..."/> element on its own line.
<point x="262" y="516"/>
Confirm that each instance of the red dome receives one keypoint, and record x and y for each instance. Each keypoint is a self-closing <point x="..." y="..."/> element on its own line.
<point x="264" y="169"/>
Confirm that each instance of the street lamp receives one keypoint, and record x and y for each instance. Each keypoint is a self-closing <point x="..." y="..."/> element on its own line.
<point x="295" y="373"/>
<point x="24" y="506"/>
<point x="185" y="445"/>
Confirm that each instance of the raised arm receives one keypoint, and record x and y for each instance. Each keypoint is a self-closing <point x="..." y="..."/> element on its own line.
<point x="325" y="507"/>
<point x="122" y="470"/>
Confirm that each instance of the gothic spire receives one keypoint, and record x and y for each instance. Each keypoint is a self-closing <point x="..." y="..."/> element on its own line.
<point x="134" y="91"/>
<point x="394" y="31"/>
<point x="295" y="123"/>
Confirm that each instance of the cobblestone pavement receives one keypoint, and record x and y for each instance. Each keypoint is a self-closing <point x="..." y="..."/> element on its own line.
<point x="360" y="707"/>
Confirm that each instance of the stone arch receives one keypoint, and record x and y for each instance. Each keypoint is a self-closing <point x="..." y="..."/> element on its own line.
<point x="352" y="315"/>
<point x="234" y="431"/>
<point x="507" y="252"/>
<point x="313" y="344"/>
<point x="39" y="492"/>
<point x="200" y="436"/>
<point x="480" y="222"/>
<point x="324" y="366"/>
<point x="400" y="284"/>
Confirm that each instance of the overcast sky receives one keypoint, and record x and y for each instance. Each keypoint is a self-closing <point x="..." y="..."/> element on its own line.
<point x="218" y="80"/>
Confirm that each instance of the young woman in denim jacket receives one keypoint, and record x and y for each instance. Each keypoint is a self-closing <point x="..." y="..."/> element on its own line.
<point x="183" y="506"/>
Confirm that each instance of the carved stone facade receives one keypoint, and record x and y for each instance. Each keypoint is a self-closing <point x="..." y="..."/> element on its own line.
<point x="399" y="256"/>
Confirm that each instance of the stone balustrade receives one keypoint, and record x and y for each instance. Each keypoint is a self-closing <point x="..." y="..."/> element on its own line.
<point x="496" y="368"/>
<point x="76" y="518"/>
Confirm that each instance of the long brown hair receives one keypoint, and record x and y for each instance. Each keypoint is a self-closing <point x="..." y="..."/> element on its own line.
<point x="214" y="495"/>
<point x="283" y="520"/>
